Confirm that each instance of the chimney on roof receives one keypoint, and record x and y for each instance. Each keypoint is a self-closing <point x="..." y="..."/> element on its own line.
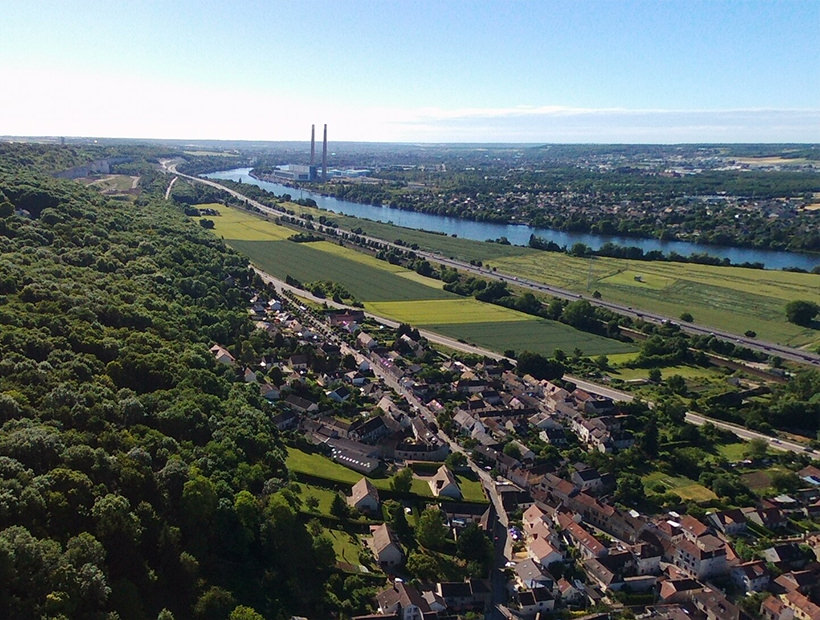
<point x="312" y="144"/>
<point x="324" y="156"/>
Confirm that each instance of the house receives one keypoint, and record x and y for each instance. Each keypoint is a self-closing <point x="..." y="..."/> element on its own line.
<point x="751" y="576"/>
<point x="366" y="341"/>
<point x="730" y="522"/>
<point x="768" y="517"/>
<point x="285" y="420"/>
<point x="444" y="484"/>
<point x="403" y="600"/>
<point x="715" y="606"/>
<point x="543" y="552"/>
<point x="531" y="602"/>
<point x="385" y="546"/>
<point x="464" y="595"/>
<point x="340" y="394"/>
<point x="299" y="361"/>
<point x="364" y="497"/>
<point x="269" y="392"/>
<point x="530" y="574"/>
<point x="702" y="559"/>
<point x="692" y="528"/>
<point x="570" y="594"/>
<point x="369" y="431"/>
<point x="587" y="479"/>
<point x="801" y="606"/>
<point x="222" y="355"/>
<point x="786" y="556"/>
<point x="302" y="405"/>
<point x="678" y="590"/>
<point x="574" y="534"/>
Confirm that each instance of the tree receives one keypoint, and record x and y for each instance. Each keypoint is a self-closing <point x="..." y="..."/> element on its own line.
<point x="455" y="461"/>
<point x="538" y="366"/>
<point x="430" y="529"/>
<point x="512" y="450"/>
<point x="402" y="480"/>
<point x="801" y="312"/>
<point x="686" y="316"/>
<point x="338" y="507"/>
<point x="242" y="612"/>
<point x="473" y="544"/>
<point x="756" y="449"/>
<point x="396" y="519"/>
<point x="630" y="489"/>
<point x="654" y="375"/>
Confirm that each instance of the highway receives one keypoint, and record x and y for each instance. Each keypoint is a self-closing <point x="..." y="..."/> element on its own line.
<point x="769" y="348"/>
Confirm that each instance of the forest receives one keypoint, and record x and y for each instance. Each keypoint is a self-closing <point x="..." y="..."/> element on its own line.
<point x="138" y="477"/>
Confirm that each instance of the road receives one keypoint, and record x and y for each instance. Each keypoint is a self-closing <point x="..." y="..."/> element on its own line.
<point x="170" y="187"/>
<point x="785" y="352"/>
<point x="769" y="348"/>
<point x="747" y="435"/>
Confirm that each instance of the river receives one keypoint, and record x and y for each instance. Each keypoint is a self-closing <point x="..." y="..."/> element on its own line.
<point x="519" y="234"/>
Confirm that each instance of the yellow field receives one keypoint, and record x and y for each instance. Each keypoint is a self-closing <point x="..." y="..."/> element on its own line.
<point x="236" y="224"/>
<point x="444" y="311"/>
<point x="359" y="257"/>
<point x="417" y="277"/>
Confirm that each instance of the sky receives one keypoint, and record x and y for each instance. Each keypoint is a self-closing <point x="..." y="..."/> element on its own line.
<point x="597" y="71"/>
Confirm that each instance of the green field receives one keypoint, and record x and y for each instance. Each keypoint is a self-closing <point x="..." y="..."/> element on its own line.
<point x="730" y="298"/>
<point x="236" y="224"/>
<point x="679" y="485"/>
<point x="539" y="335"/>
<point x="346" y="546"/>
<point x="307" y="264"/>
<point x="396" y="293"/>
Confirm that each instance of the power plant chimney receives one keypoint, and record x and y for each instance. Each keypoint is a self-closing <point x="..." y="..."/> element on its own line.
<point x="324" y="157"/>
<point x="312" y="144"/>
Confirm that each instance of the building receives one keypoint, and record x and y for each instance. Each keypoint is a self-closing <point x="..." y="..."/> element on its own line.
<point x="444" y="484"/>
<point x="385" y="546"/>
<point x="364" y="497"/>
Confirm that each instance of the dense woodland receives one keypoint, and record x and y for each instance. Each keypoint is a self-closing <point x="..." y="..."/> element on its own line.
<point x="136" y="474"/>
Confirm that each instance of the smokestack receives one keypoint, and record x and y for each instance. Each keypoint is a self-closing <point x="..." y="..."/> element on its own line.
<point x="324" y="156"/>
<point x="312" y="144"/>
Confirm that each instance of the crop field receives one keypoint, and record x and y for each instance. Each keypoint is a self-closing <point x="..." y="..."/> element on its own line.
<point x="236" y="224"/>
<point x="431" y="312"/>
<point x="307" y="264"/>
<point x="359" y="257"/>
<point x="539" y="336"/>
<point x="731" y="298"/>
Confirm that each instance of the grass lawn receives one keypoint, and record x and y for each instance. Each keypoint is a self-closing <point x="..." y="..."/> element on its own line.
<point x="684" y="370"/>
<point x="471" y="490"/>
<point x="430" y="312"/>
<point x="539" y="335"/>
<point x="346" y="546"/>
<point x="731" y="298"/>
<point x="307" y="264"/>
<point x="325" y="497"/>
<point x="683" y="487"/>
<point x="323" y="467"/>
<point x="733" y="452"/>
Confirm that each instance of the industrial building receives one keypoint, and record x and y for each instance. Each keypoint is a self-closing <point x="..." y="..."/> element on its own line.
<point x="309" y="173"/>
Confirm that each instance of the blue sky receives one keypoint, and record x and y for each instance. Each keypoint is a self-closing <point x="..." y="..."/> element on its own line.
<point x="415" y="71"/>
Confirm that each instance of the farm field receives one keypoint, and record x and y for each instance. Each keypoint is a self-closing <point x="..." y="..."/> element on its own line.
<point x="731" y="298"/>
<point x="307" y="264"/>
<point x="443" y="311"/>
<point x="540" y="336"/>
<point x="237" y="224"/>
<point x="396" y="293"/>
<point x="680" y="485"/>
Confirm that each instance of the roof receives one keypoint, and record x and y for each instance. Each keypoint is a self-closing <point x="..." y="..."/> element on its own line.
<point x="529" y="570"/>
<point x="383" y="537"/>
<point x="541" y="548"/>
<point x="400" y="596"/>
<point x="442" y="479"/>
<point x="363" y="488"/>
